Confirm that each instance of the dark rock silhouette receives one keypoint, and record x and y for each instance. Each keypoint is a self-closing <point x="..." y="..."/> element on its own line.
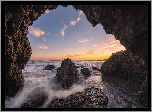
<point x="67" y="74"/>
<point x="125" y="65"/>
<point x="86" y="72"/>
<point x="49" y="67"/>
<point x="96" y="68"/>
<point x="33" y="103"/>
<point x="129" y="67"/>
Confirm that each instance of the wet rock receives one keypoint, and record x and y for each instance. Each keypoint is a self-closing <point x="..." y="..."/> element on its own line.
<point x="131" y="68"/>
<point x="86" y="72"/>
<point x="67" y="74"/>
<point x="49" y="67"/>
<point x="82" y="100"/>
<point x="125" y="65"/>
<point x="33" y="103"/>
<point x="96" y="68"/>
<point x="143" y="93"/>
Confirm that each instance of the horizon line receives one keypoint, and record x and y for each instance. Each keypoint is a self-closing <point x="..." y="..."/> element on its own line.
<point x="66" y="58"/>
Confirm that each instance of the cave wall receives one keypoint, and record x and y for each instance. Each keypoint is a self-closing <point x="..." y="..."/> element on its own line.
<point x="128" y="23"/>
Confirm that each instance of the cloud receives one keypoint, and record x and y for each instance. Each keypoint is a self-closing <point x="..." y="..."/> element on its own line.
<point x="84" y="40"/>
<point x="78" y="19"/>
<point x="91" y="51"/>
<point x="74" y="55"/>
<point x="62" y="30"/>
<point x="94" y="45"/>
<point x="81" y="13"/>
<point x="47" y="11"/>
<point x="37" y="32"/>
<point x="113" y="43"/>
<point x="74" y="22"/>
<point x="41" y="46"/>
<point x="94" y="51"/>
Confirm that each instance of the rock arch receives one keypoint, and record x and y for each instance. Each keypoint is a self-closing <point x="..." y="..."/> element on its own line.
<point x="128" y="23"/>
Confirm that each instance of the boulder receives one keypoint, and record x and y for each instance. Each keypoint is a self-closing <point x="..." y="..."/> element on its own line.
<point x="67" y="74"/>
<point x="49" y="67"/>
<point x="86" y="72"/>
<point x="33" y="103"/>
<point x="82" y="100"/>
<point x="125" y="65"/>
<point x="96" y="68"/>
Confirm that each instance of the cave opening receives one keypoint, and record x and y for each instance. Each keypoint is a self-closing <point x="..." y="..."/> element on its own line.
<point x="121" y="23"/>
<point x="66" y="33"/>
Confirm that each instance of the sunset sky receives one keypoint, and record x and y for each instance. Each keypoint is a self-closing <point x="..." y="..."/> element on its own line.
<point x="66" y="33"/>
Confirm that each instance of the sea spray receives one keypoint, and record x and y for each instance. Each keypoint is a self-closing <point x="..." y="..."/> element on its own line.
<point x="62" y="93"/>
<point x="35" y="86"/>
<point x="45" y="80"/>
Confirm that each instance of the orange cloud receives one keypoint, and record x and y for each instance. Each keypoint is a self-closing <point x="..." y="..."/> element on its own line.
<point x="74" y="22"/>
<point x="37" y="32"/>
<point x="75" y="55"/>
<point x="113" y="43"/>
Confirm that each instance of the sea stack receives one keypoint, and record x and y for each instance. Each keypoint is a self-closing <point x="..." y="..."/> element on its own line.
<point x="67" y="74"/>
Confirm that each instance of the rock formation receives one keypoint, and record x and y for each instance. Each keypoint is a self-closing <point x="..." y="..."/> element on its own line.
<point x="85" y="99"/>
<point x="96" y="68"/>
<point x="49" y="67"/>
<point x="86" y="72"/>
<point x="128" y="23"/>
<point x="33" y="103"/>
<point x="125" y="65"/>
<point x="129" y="67"/>
<point x="67" y="74"/>
<point x="82" y="100"/>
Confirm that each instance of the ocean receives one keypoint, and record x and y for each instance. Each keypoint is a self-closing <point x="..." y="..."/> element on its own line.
<point x="37" y="81"/>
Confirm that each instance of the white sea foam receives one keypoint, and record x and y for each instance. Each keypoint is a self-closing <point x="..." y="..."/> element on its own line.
<point x="39" y="81"/>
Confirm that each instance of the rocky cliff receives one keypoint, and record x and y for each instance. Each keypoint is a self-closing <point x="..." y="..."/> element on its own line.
<point x="125" y="65"/>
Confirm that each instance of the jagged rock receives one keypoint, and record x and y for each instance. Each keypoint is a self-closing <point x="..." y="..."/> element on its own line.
<point x="33" y="103"/>
<point x="82" y="100"/>
<point x="86" y="72"/>
<point x="67" y="74"/>
<point x="128" y="23"/>
<point x="49" y="67"/>
<point x="143" y="93"/>
<point x="129" y="67"/>
<point x="125" y="65"/>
